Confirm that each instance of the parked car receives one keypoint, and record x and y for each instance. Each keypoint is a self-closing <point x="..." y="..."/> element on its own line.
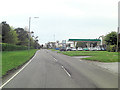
<point x="62" y="49"/>
<point x="98" y="49"/>
<point x="74" y="49"/>
<point x="68" y="49"/>
<point x="103" y="49"/>
<point x="90" y="49"/>
<point x="94" y="49"/>
<point x="85" y="49"/>
<point x="56" y="48"/>
<point x="79" y="49"/>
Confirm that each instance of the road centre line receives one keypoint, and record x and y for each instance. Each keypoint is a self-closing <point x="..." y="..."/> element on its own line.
<point x="17" y="72"/>
<point x="62" y="67"/>
<point x="66" y="71"/>
<point x="55" y="59"/>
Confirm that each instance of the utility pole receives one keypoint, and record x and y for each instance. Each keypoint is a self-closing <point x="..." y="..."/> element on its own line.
<point x="29" y="34"/>
<point x="117" y="39"/>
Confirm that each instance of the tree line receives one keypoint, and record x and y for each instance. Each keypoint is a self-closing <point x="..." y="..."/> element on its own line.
<point x="18" y="36"/>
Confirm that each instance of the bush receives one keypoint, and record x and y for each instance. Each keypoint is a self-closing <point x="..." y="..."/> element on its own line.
<point x="111" y="48"/>
<point x="10" y="47"/>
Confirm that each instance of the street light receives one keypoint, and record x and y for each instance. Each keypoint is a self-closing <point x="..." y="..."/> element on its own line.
<point x="118" y="32"/>
<point x="30" y="32"/>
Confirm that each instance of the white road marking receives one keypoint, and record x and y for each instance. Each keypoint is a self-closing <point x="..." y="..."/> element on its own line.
<point x="66" y="71"/>
<point x="17" y="73"/>
<point x="55" y="59"/>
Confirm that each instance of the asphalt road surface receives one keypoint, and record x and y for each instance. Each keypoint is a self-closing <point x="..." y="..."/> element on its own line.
<point x="49" y="69"/>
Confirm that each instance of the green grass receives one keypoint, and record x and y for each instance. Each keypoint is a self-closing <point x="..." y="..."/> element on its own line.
<point x="12" y="59"/>
<point x="102" y="56"/>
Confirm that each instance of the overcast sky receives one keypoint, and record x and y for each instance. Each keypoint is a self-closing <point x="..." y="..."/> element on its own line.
<point x="84" y="19"/>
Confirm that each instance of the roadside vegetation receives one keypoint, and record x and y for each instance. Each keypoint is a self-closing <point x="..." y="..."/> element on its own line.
<point x="17" y="36"/>
<point x="14" y="42"/>
<point x="102" y="56"/>
<point x="13" y="59"/>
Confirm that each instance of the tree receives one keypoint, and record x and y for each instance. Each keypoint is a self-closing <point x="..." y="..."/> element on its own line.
<point x="32" y="42"/>
<point x="5" y="32"/>
<point x="8" y="34"/>
<point x="111" y="38"/>
<point x="111" y="41"/>
<point x="22" y="36"/>
<point x="14" y="38"/>
<point x="36" y="44"/>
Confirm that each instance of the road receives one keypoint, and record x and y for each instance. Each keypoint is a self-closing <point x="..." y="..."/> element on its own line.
<point x="49" y="69"/>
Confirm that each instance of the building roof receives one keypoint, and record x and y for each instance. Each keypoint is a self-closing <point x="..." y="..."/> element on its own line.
<point x="85" y="40"/>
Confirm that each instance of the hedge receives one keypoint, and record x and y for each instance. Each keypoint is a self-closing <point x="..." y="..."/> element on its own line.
<point x="11" y="47"/>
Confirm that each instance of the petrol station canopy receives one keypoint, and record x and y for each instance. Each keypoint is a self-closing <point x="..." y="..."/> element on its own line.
<point x="84" y="40"/>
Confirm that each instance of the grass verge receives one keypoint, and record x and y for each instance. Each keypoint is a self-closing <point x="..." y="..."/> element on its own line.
<point x="102" y="56"/>
<point x="13" y="59"/>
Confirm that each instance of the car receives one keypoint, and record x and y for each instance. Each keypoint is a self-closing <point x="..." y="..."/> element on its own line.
<point x="56" y="48"/>
<point x="62" y="49"/>
<point x="68" y="49"/>
<point x="74" y="49"/>
<point x="98" y="49"/>
<point x="79" y="49"/>
<point x="94" y="49"/>
<point x="103" y="49"/>
<point x="90" y="49"/>
<point x="85" y="49"/>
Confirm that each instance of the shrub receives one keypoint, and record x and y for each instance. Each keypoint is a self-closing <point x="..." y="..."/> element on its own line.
<point x="10" y="47"/>
<point x="111" y="48"/>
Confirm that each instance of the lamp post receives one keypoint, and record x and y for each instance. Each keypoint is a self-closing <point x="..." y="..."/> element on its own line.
<point x="118" y="32"/>
<point x="30" y="32"/>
